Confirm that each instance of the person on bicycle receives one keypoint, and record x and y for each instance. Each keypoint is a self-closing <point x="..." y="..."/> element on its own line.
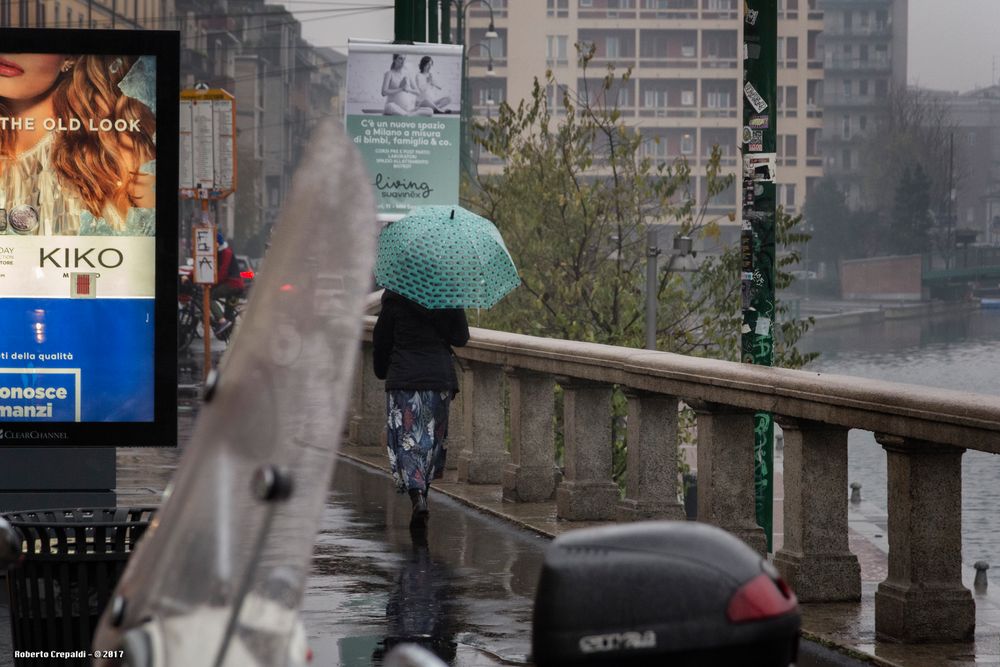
<point x="229" y="285"/>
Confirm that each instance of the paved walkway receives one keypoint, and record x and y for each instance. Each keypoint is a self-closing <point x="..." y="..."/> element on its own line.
<point x="847" y="625"/>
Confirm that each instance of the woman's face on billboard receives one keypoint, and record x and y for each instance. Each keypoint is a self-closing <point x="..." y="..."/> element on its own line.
<point x="25" y="76"/>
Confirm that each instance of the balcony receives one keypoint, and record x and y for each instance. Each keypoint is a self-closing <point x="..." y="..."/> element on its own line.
<point x="882" y="30"/>
<point x="668" y="112"/>
<point x="847" y="64"/>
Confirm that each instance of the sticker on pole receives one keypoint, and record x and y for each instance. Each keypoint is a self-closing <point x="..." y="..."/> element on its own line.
<point x="204" y="254"/>
<point x="756" y="101"/>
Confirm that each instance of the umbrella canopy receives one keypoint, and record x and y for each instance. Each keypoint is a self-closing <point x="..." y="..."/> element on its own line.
<point x="445" y="257"/>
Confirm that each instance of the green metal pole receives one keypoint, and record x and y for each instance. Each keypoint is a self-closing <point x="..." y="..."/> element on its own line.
<point x="419" y="20"/>
<point x="433" y="35"/>
<point x="757" y="235"/>
<point x="446" y="21"/>
<point x="465" y="148"/>
<point x="403" y="15"/>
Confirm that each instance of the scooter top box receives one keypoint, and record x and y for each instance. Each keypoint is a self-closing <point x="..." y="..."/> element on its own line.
<point x="664" y="593"/>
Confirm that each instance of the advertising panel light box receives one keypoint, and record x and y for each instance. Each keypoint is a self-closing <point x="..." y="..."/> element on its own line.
<point x="88" y="237"/>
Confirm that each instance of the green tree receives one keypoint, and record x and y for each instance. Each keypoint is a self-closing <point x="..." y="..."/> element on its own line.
<point x="837" y="231"/>
<point x="911" y="224"/>
<point x="574" y="199"/>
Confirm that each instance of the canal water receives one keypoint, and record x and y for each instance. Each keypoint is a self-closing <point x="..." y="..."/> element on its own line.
<point x="960" y="352"/>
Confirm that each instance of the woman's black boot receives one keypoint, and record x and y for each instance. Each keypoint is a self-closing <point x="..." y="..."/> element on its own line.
<point x="420" y="511"/>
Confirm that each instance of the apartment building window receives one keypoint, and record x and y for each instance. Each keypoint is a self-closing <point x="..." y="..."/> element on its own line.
<point x="654" y="99"/>
<point x="790" y="195"/>
<point x="69" y="17"/>
<point x="846" y="87"/>
<point x="881" y="20"/>
<point x="845" y="159"/>
<point x="586" y="3"/>
<point x="719" y="99"/>
<point x="813" y="137"/>
<point x="781" y="52"/>
<point x="863" y="88"/>
<point x="612" y="46"/>
<point x="557" y="45"/>
<point x="863" y="53"/>
<point x="845" y="128"/>
<point x="863" y="18"/>
<point x="557" y="8"/>
<point x="720" y="5"/>
<point x="792" y="50"/>
<point x="687" y="98"/>
<point x="687" y="144"/>
<point x="814" y="93"/>
<point x="791" y="100"/>
<point x="881" y="89"/>
<point x="863" y="123"/>
<point x="4" y="13"/>
<point x="847" y="20"/>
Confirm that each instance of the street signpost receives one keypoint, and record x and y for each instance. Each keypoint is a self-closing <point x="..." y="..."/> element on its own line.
<point x="207" y="172"/>
<point x="757" y="235"/>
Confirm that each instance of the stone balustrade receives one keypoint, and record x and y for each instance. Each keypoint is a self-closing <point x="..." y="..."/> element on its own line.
<point x="924" y="431"/>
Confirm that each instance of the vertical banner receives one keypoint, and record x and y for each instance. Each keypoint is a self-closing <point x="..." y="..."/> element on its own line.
<point x="404" y="115"/>
<point x="757" y="236"/>
<point x="88" y="257"/>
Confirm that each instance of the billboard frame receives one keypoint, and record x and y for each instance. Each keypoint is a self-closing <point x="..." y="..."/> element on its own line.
<point x="164" y="45"/>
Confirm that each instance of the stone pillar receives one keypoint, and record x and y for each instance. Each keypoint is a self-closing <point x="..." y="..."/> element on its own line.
<point x="923" y="599"/>
<point x="531" y="474"/>
<point x="587" y="492"/>
<point x="651" y="475"/>
<point x="484" y="457"/>
<point x="815" y="559"/>
<point x="367" y="425"/>
<point x="457" y="441"/>
<point x="725" y="472"/>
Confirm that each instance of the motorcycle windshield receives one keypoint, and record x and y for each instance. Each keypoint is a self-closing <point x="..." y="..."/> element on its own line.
<point x="219" y="576"/>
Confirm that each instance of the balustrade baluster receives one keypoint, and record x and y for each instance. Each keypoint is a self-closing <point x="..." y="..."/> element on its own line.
<point x="484" y="457"/>
<point x="923" y="599"/>
<point x="367" y="427"/>
<point x="725" y="471"/>
<point x="457" y="440"/>
<point x="815" y="558"/>
<point x="651" y="474"/>
<point x="531" y="475"/>
<point x="587" y="492"/>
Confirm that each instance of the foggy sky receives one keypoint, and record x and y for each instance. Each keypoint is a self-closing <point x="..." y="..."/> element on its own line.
<point x="952" y="43"/>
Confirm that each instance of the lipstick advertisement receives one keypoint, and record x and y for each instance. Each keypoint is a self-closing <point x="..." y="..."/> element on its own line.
<point x="84" y="234"/>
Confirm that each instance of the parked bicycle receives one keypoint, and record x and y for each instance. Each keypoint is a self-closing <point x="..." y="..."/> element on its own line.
<point x="190" y="313"/>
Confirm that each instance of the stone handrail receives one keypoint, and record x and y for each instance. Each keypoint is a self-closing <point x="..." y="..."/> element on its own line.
<point x="924" y="432"/>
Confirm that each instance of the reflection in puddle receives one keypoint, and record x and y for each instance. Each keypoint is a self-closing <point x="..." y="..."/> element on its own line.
<point x="464" y="592"/>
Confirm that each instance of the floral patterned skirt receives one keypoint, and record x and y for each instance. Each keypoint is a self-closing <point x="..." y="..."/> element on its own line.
<point x="417" y="426"/>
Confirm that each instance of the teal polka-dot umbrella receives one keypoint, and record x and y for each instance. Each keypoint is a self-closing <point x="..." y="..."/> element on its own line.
<point x="445" y="257"/>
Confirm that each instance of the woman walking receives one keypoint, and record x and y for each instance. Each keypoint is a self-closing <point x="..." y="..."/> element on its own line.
<point x="413" y="355"/>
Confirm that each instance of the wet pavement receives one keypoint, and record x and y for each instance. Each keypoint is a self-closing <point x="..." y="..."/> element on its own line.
<point x="464" y="589"/>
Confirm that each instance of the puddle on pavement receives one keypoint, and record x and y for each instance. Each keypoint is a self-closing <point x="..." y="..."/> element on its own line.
<point x="465" y="592"/>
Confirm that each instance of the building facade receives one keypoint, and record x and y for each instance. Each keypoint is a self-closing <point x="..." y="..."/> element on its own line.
<point x="685" y="90"/>
<point x="864" y="56"/>
<point x="114" y="14"/>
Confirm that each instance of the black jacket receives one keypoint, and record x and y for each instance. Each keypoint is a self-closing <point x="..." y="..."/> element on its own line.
<point x="413" y="344"/>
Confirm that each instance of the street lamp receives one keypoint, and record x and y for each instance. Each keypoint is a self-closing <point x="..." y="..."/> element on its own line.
<point x="461" y="8"/>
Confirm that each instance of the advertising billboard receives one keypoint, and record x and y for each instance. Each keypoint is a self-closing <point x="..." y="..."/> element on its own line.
<point x="88" y="237"/>
<point x="403" y="112"/>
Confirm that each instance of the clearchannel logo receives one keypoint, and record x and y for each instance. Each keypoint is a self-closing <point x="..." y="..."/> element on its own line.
<point x="6" y="434"/>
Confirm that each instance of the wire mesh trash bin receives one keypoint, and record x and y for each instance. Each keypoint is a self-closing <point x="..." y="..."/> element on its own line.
<point x="71" y="560"/>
